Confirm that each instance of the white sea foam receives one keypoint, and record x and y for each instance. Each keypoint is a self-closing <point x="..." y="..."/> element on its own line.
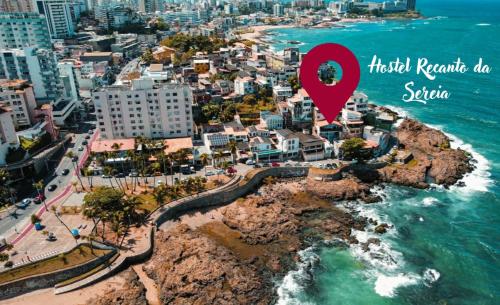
<point x="386" y="285"/>
<point x="293" y="283"/>
<point x="430" y="276"/>
<point x="428" y="201"/>
<point x="479" y="179"/>
<point x="483" y="24"/>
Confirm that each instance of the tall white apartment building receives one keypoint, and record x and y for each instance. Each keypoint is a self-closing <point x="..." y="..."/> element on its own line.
<point x="20" y="30"/>
<point x="144" y="109"/>
<point x="59" y="16"/>
<point x="16" y="5"/>
<point x="38" y="66"/>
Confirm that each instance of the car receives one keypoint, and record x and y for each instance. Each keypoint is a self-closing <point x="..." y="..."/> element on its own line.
<point x="250" y="162"/>
<point x="106" y="176"/>
<point x="120" y="175"/>
<point x="65" y="172"/>
<point x="90" y="131"/>
<point x="87" y="137"/>
<point x="306" y="164"/>
<point x="80" y="148"/>
<point x="266" y="165"/>
<point x="51" y="237"/>
<point x="85" y="142"/>
<point x="275" y="164"/>
<point x="39" y="199"/>
<point x="159" y="182"/>
<point x="209" y="173"/>
<point x="133" y="174"/>
<point x="52" y="187"/>
<point x="257" y="165"/>
<point x="74" y="159"/>
<point x="219" y="171"/>
<point x="24" y="203"/>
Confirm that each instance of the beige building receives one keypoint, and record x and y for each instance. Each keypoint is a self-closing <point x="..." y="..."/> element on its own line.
<point x="144" y="109"/>
<point x="19" y="97"/>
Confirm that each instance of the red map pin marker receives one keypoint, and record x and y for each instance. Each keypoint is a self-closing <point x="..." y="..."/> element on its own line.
<point x="329" y="99"/>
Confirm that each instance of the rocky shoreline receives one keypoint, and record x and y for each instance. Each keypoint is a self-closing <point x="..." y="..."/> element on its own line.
<point x="239" y="258"/>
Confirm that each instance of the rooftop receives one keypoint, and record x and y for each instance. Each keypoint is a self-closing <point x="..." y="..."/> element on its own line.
<point x="102" y="145"/>
<point x="174" y="145"/>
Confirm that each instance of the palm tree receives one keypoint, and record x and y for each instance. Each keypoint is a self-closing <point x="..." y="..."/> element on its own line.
<point x="107" y="171"/>
<point x="233" y="147"/>
<point x="204" y="161"/>
<point x="155" y="167"/>
<point x="90" y="176"/>
<point x="71" y="155"/>
<point x="54" y="210"/>
<point x="74" y="184"/>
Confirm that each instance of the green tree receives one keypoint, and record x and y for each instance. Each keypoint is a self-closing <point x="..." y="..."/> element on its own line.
<point x="294" y="83"/>
<point x="354" y="148"/>
<point x="5" y="195"/>
<point x="71" y="155"/>
<point x="204" y="161"/>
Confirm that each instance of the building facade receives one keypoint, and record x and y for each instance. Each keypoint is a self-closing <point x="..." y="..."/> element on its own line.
<point x="19" y="97"/>
<point x="144" y="109"/>
<point x="59" y="15"/>
<point x="38" y="66"/>
<point x="20" y="30"/>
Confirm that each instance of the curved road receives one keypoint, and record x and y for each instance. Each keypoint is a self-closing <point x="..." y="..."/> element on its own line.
<point x="50" y="201"/>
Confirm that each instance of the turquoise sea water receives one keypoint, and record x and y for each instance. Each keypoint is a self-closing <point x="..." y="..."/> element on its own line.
<point x="445" y="245"/>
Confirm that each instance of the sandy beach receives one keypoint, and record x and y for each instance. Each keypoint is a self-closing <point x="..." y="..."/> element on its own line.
<point x="259" y="31"/>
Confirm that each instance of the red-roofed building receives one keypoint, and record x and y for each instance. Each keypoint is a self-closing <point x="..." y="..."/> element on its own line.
<point x="118" y="145"/>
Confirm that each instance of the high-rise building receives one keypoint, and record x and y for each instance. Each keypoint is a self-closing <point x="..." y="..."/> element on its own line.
<point x="69" y="81"/>
<point x="38" y="66"/>
<point x="144" y="109"/>
<point x="20" y="30"/>
<point x="16" y="6"/>
<point x="59" y="16"/>
<point x="411" y="5"/>
<point x="278" y="10"/>
<point x="8" y="136"/>
<point x="147" y="6"/>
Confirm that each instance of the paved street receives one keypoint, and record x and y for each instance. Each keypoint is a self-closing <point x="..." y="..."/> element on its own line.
<point x="14" y="220"/>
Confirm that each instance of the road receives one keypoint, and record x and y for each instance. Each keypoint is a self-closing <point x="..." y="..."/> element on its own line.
<point x="15" y="220"/>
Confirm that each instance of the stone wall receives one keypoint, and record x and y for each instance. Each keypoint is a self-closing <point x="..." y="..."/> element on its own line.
<point x="47" y="280"/>
<point x="227" y="195"/>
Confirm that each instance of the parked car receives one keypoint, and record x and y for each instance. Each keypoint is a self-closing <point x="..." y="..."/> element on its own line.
<point x="257" y="165"/>
<point x="219" y="171"/>
<point x="91" y="131"/>
<point x="159" y="182"/>
<point x="24" y="203"/>
<point x="85" y="142"/>
<point x="209" y="173"/>
<point x="87" y="137"/>
<point x="106" y="176"/>
<point x="65" y="172"/>
<point x="80" y="148"/>
<point x="250" y="162"/>
<point x="52" y="187"/>
<point x="133" y="174"/>
<point x="266" y="165"/>
<point x="39" y="199"/>
<point x="74" y="159"/>
<point x="275" y="164"/>
<point x="120" y="175"/>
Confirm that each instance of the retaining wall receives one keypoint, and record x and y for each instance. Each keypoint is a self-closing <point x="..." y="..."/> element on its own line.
<point x="47" y="280"/>
<point x="227" y="195"/>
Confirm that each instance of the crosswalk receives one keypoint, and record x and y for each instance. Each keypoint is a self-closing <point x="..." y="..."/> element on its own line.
<point x="25" y="260"/>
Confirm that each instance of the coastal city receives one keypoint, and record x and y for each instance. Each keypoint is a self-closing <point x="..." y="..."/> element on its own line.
<point x="117" y="117"/>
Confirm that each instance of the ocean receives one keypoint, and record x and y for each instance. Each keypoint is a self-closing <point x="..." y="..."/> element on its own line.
<point x="444" y="247"/>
